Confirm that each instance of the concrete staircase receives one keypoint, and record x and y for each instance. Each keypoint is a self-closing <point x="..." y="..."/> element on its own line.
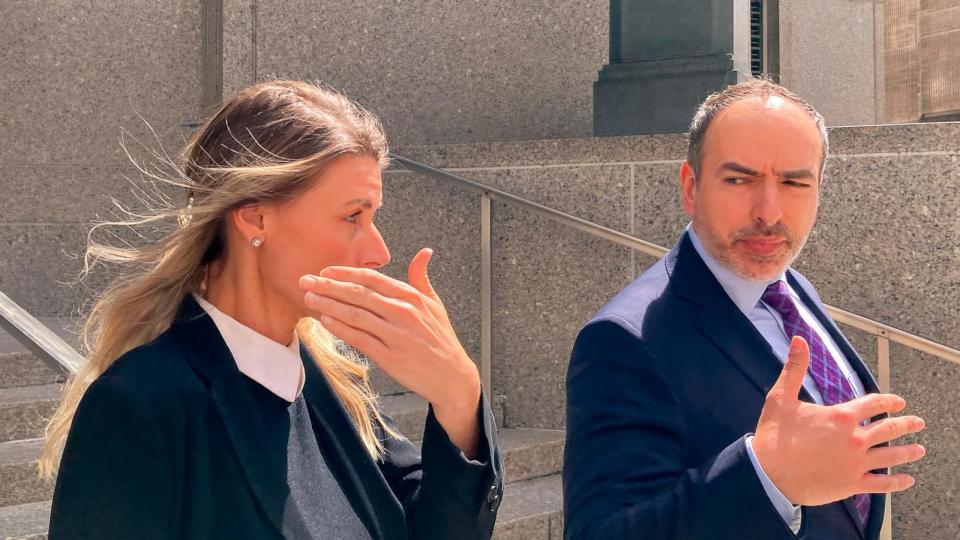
<point x="29" y="391"/>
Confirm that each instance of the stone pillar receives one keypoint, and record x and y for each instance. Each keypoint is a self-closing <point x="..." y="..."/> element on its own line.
<point x="665" y="57"/>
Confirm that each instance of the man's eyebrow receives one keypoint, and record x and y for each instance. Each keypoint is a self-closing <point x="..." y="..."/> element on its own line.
<point x="798" y="174"/>
<point x="743" y="169"/>
<point x="795" y="174"/>
<point x="362" y="202"/>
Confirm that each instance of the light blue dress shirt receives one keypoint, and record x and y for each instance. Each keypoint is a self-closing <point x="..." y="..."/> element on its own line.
<point x="746" y="295"/>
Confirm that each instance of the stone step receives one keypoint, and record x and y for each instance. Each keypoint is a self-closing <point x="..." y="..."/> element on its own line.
<point x="25" y="521"/>
<point x="531" y="510"/>
<point x="527" y="453"/>
<point x="18" y="473"/>
<point x="25" y="369"/>
<point x="25" y="410"/>
<point x="408" y="411"/>
<point x="383" y="384"/>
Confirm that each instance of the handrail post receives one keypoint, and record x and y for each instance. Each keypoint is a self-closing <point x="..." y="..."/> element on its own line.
<point x="883" y="374"/>
<point x="486" y="296"/>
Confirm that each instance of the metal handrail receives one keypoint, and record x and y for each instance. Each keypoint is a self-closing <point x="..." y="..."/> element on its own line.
<point x="38" y="338"/>
<point x="882" y="331"/>
<point x="884" y="334"/>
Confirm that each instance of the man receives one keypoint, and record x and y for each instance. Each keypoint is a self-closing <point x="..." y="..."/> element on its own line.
<point x="687" y="417"/>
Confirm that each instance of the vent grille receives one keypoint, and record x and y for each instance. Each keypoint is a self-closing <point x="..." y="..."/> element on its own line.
<point x="756" y="37"/>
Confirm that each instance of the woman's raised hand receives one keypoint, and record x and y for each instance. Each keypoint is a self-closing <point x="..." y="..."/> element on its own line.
<point x="404" y="329"/>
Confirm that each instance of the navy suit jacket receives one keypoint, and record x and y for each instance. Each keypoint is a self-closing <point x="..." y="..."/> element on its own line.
<point x="664" y="384"/>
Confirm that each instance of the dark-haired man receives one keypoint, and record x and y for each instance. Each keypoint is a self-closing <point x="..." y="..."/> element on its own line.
<point x="691" y="411"/>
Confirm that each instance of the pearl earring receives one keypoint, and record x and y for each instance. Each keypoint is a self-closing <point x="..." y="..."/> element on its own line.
<point x="256" y="242"/>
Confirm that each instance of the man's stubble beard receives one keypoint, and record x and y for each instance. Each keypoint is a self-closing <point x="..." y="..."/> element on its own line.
<point x="726" y="255"/>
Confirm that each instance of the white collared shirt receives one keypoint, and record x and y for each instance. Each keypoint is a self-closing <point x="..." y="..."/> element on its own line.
<point x="277" y="368"/>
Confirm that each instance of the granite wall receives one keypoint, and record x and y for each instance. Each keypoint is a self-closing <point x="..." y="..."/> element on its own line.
<point x="831" y="53"/>
<point x="75" y="75"/>
<point x="433" y="71"/>
<point x="886" y="246"/>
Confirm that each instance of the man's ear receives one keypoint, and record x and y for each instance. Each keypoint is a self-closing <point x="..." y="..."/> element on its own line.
<point x="688" y="188"/>
<point x="248" y="220"/>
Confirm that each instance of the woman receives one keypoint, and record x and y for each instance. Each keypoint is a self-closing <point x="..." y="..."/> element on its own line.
<point x="216" y="402"/>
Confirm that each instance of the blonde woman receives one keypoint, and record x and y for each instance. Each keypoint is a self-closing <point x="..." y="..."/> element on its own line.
<point x="216" y="402"/>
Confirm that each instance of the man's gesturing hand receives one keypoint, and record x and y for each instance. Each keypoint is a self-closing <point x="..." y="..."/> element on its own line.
<point x="818" y="454"/>
<point x="404" y="329"/>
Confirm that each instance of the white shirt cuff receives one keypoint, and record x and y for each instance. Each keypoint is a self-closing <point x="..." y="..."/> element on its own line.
<point x="788" y="512"/>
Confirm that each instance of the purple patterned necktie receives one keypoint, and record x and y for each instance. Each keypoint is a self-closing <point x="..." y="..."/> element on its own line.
<point x="833" y="386"/>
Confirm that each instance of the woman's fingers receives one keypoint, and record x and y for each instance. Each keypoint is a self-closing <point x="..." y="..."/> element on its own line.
<point x="417" y="273"/>
<point x="371" y="279"/>
<point x="355" y="316"/>
<point x="370" y="345"/>
<point x="356" y="294"/>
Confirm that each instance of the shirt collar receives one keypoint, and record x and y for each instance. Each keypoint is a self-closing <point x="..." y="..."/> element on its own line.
<point x="743" y="292"/>
<point x="277" y="368"/>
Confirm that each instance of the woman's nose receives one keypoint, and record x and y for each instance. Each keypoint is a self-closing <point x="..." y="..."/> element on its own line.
<point x="375" y="253"/>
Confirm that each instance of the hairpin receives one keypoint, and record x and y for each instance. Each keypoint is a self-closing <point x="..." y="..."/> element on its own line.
<point x="186" y="214"/>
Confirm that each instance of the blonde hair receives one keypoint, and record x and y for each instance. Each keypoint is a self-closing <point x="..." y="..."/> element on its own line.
<point x="265" y="144"/>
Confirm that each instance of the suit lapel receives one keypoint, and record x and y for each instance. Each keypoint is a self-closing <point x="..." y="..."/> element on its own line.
<point x="210" y="358"/>
<point x="721" y="321"/>
<point x="358" y="475"/>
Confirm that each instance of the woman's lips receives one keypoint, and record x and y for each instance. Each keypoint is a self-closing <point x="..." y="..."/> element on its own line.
<point x="763" y="246"/>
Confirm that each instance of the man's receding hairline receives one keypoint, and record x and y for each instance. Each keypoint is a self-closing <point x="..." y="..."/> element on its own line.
<point x="762" y="97"/>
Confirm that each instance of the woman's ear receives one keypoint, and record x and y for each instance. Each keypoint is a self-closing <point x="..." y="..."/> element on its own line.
<point x="248" y="220"/>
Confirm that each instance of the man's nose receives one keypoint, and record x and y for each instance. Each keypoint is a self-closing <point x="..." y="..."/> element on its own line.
<point x="767" y="206"/>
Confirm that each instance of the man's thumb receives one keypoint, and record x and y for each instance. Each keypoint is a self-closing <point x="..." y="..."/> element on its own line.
<point x="795" y="368"/>
<point x="417" y="272"/>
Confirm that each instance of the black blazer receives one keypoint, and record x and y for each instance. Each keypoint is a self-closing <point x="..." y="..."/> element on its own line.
<point x="168" y="443"/>
<point x="664" y="384"/>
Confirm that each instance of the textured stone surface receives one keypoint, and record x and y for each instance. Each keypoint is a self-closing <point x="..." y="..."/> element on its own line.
<point x="484" y="71"/>
<point x="929" y="509"/>
<point x="18" y="473"/>
<point x="24" y="369"/>
<point x="548" y="280"/>
<point x="57" y="194"/>
<point x="82" y="71"/>
<point x="408" y="411"/>
<point x="550" y="152"/>
<point x="658" y="214"/>
<point x="531" y="453"/>
<point x="25" y="521"/>
<point x="422" y="212"/>
<point x="24" y="411"/>
<point x="844" y="87"/>
<point x="887" y="242"/>
<point x="40" y="265"/>
<point x="919" y="138"/>
<point x="528" y="510"/>
<point x="239" y="45"/>
<point x="908" y="138"/>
